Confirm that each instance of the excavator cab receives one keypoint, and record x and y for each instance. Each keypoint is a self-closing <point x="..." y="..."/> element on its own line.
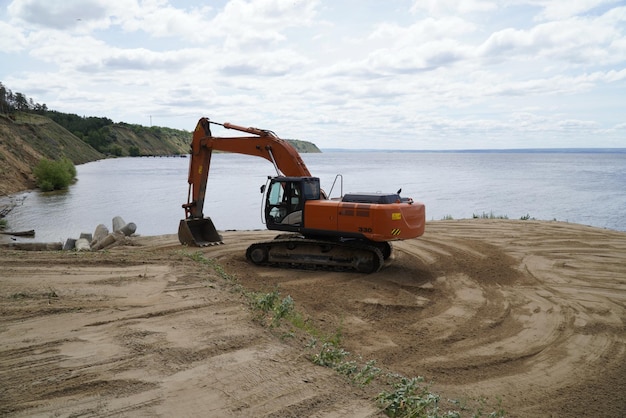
<point x="285" y="198"/>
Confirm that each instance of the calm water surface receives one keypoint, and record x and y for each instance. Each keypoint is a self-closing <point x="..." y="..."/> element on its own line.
<point x="586" y="188"/>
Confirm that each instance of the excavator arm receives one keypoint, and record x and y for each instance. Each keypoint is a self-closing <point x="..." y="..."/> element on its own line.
<point x="263" y="143"/>
<point x="197" y="230"/>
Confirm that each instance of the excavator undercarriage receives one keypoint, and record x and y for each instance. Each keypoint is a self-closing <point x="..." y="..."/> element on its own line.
<point x="296" y="251"/>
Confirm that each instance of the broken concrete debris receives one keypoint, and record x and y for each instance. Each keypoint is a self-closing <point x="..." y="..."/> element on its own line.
<point x="102" y="238"/>
<point x="99" y="234"/>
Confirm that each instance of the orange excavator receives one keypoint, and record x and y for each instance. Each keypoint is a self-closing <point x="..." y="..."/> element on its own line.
<point x="351" y="232"/>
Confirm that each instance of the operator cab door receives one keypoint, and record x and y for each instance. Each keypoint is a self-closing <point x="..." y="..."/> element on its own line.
<point x="285" y="201"/>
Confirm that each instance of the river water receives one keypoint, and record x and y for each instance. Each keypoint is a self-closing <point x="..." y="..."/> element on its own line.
<point x="585" y="188"/>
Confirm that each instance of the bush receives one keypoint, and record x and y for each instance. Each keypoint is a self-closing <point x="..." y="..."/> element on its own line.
<point x="54" y="175"/>
<point x="116" y="150"/>
<point x="134" y="151"/>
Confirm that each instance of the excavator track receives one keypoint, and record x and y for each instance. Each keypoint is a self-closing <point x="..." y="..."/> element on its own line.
<point x="300" y="252"/>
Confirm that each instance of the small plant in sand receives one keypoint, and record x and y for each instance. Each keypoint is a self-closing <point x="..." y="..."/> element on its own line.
<point x="409" y="398"/>
<point x="271" y="307"/>
<point x="336" y="358"/>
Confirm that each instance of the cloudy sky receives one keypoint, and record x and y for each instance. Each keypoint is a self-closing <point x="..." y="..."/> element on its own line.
<point x="401" y="74"/>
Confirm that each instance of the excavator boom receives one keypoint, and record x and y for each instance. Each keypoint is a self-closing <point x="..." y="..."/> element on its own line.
<point x="198" y="230"/>
<point x="264" y="144"/>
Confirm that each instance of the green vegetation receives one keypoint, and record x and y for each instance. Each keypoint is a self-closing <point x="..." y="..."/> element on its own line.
<point x="304" y="146"/>
<point x="11" y="102"/>
<point x="89" y="129"/>
<point x="489" y="215"/>
<point x="54" y="175"/>
<point x="337" y="359"/>
<point x="272" y="308"/>
<point x="50" y="294"/>
<point x="410" y="399"/>
<point x="3" y="224"/>
<point x="134" y="151"/>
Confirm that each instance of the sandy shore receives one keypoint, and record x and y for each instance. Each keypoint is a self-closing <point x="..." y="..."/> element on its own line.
<point x="532" y="313"/>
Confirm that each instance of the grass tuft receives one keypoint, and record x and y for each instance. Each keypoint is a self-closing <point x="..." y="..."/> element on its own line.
<point x="489" y="215"/>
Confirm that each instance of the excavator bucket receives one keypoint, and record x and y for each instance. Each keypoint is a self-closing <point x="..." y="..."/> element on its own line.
<point x="198" y="232"/>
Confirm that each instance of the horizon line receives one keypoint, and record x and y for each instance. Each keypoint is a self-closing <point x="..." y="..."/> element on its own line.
<point x="552" y="149"/>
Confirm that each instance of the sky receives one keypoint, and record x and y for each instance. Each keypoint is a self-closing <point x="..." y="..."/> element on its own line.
<point x="355" y="74"/>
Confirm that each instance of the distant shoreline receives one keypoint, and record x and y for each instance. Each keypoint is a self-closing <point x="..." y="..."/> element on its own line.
<point x="494" y="151"/>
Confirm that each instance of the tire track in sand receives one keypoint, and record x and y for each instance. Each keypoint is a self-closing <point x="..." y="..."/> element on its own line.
<point x="533" y="312"/>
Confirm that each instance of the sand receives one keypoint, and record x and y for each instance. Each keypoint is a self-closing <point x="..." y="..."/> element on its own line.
<point x="529" y="313"/>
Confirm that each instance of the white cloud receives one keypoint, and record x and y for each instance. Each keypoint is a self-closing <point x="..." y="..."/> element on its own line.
<point x="423" y="30"/>
<point x="438" y="7"/>
<point x="162" y="20"/>
<point x="12" y="39"/>
<point x="579" y="41"/>
<point x="427" y="74"/>
<point x="558" y="9"/>
<point x="260" y="23"/>
<point x="60" y="15"/>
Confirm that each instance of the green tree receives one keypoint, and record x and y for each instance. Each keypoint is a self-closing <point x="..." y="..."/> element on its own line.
<point x="97" y="140"/>
<point x="21" y="102"/>
<point x="116" y="150"/>
<point x="134" y="151"/>
<point x="4" y="101"/>
<point x="54" y="175"/>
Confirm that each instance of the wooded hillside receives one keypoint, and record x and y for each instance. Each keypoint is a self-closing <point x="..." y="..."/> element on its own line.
<point x="27" y="138"/>
<point x="29" y="131"/>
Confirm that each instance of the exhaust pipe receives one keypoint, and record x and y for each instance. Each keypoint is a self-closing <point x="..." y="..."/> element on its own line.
<point x="199" y="232"/>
